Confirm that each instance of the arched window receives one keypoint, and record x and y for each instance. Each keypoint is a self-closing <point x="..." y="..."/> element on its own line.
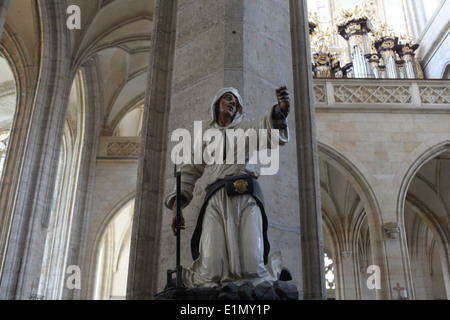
<point x="329" y="273"/>
<point x="323" y="10"/>
<point x="7" y="107"/>
<point x="324" y="13"/>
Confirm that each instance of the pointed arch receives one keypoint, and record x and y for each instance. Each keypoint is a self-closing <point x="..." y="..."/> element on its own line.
<point x="354" y="174"/>
<point x="109" y="250"/>
<point x="422" y="155"/>
<point x="12" y="49"/>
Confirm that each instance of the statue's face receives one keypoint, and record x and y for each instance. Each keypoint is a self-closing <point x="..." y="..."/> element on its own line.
<point x="228" y="106"/>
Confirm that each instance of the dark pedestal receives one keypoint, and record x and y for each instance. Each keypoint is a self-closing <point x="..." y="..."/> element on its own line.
<point x="279" y="290"/>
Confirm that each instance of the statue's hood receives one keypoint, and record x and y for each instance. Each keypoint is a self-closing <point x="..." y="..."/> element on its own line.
<point x="217" y="97"/>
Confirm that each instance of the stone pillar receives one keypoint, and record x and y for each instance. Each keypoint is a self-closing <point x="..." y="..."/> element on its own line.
<point x="82" y="209"/>
<point x="144" y="252"/>
<point x="35" y="186"/>
<point x="3" y="11"/>
<point x="307" y="156"/>
<point x="221" y="43"/>
<point x="346" y="289"/>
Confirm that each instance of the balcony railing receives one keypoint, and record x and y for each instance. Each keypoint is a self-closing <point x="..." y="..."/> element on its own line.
<point x="119" y="148"/>
<point x="382" y="95"/>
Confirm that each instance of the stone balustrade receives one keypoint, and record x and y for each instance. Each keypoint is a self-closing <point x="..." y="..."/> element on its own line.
<point x="382" y="95"/>
<point x="119" y="148"/>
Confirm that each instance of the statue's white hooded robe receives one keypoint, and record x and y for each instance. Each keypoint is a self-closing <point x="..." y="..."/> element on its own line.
<point x="231" y="245"/>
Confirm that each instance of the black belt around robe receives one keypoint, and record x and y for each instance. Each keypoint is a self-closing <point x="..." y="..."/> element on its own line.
<point x="210" y="190"/>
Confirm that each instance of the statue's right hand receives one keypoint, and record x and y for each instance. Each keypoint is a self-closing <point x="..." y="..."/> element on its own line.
<point x="174" y="219"/>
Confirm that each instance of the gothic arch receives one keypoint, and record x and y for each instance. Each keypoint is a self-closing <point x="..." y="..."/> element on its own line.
<point x="86" y="175"/>
<point x="435" y="220"/>
<point x="121" y="77"/>
<point x="47" y="83"/>
<point x="98" y="242"/>
<point x="131" y="106"/>
<point x="7" y="107"/>
<point x="428" y="222"/>
<point x="413" y="163"/>
<point x="446" y="71"/>
<point x="370" y="212"/>
<point x="15" y="53"/>
<point x="343" y="215"/>
<point x="116" y="41"/>
<point x="355" y="177"/>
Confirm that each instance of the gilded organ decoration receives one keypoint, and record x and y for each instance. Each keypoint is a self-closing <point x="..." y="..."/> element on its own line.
<point x="325" y="62"/>
<point x="374" y="50"/>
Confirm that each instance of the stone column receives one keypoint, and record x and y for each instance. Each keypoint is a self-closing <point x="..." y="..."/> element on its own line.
<point x="144" y="252"/>
<point x="35" y="186"/>
<point x="346" y="289"/>
<point x="244" y="44"/>
<point x="307" y="156"/>
<point x="85" y="187"/>
<point x="3" y="11"/>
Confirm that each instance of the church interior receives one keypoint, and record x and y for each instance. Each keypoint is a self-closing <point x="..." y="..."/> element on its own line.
<point x="83" y="81"/>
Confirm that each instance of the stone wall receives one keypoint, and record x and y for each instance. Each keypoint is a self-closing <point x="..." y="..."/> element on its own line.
<point x="382" y="133"/>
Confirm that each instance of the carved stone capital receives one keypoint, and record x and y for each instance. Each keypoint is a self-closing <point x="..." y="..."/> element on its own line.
<point x="392" y="229"/>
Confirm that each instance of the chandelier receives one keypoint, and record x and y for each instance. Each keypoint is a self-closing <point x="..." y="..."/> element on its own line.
<point x="373" y="49"/>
